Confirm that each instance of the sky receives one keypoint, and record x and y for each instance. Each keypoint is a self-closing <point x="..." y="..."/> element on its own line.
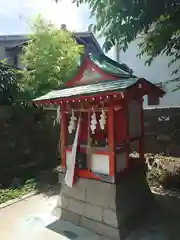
<point x="15" y="15"/>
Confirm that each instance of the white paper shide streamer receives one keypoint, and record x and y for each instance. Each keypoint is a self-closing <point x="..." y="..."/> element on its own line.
<point x="93" y="122"/>
<point x="102" y="120"/>
<point x="72" y="123"/>
<point x="58" y="116"/>
<point x="69" y="177"/>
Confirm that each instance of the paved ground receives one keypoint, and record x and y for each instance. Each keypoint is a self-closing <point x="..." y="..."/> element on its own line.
<point x="32" y="219"/>
<point x="164" y="221"/>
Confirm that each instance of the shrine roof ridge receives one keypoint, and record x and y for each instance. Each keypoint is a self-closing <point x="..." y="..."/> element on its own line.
<point x="100" y="87"/>
<point x="110" y="66"/>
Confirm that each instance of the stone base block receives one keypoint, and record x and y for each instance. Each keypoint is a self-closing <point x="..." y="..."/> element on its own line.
<point x="110" y="210"/>
<point x="90" y="224"/>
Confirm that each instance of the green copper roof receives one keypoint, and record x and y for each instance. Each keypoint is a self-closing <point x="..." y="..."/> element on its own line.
<point x="91" y="89"/>
<point x="110" y="66"/>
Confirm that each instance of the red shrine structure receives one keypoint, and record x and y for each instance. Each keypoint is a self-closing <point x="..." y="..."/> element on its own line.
<point x="101" y="111"/>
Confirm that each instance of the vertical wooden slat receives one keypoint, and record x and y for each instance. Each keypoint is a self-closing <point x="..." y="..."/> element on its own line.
<point x="126" y="118"/>
<point x="63" y="135"/>
<point x="141" y="148"/>
<point x="111" y="140"/>
<point x="89" y="150"/>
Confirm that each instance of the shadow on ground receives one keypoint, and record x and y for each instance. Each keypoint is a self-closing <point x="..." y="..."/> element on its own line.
<point x="163" y="223"/>
<point x="71" y="231"/>
<point x="47" y="183"/>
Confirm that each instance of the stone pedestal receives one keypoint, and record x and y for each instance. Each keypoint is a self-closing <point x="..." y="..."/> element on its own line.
<point x="111" y="210"/>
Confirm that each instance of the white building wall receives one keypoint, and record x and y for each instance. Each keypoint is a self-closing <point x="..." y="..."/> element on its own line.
<point x="157" y="72"/>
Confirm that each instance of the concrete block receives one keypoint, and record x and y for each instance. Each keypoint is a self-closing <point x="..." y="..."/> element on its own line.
<point x="63" y="202"/>
<point x="110" y="218"/>
<point x="98" y="185"/>
<point x="61" y="178"/>
<point x="98" y="193"/>
<point x="93" y="212"/>
<point x="111" y="203"/>
<point x="77" y="206"/>
<point x="102" y="238"/>
<point x="66" y="215"/>
<point x="100" y="228"/>
<point x="57" y="212"/>
<point x="78" y="191"/>
<point x="70" y="216"/>
<point x="96" y="197"/>
<point x="85" y="209"/>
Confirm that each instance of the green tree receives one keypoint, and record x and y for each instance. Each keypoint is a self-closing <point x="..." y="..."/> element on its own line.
<point x="121" y="21"/>
<point x="49" y="59"/>
<point x="9" y="89"/>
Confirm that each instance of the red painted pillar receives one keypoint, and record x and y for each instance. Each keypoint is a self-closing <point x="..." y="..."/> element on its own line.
<point x="127" y="140"/>
<point x="111" y="141"/>
<point x="63" y="135"/>
<point x="141" y="147"/>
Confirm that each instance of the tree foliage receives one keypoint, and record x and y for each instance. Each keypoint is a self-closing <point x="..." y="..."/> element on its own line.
<point x="123" y="21"/>
<point x="8" y="84"/>
<point x="49" y="58"/>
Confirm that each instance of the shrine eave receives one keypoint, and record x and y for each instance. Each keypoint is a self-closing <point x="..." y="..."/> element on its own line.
<point x="104" y="87"/>
<point x="110" y="66"/>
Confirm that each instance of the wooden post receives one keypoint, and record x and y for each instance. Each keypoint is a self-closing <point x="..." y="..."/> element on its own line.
<point x="89" y="149"/>
<point x="111" y="141"/>
<point x="141" y="148"/>
<point x="63" y="136"/>
<point x="127" y="140"/>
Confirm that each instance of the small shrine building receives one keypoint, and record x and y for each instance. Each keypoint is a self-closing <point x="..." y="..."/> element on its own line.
<point x="101" y="117"/>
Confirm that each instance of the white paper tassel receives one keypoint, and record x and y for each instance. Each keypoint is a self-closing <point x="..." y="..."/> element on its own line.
<point x="102" y="120"/>
<point x="93" y="122"/>
<point x="70" y="129"/>
<point x="58" y="116"/>
<point x="72" y="124"/>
